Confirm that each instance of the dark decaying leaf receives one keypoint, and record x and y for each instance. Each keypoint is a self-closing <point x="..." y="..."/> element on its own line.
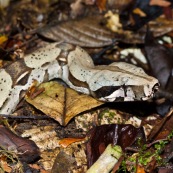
<point x="84" y="32"/>
<point x="163" y="128"/>
<point x="159" y="58"/>
<point x="63" y="163"/>
<point x="168" y="153"/>
<point x="167" y="158"/>
<point x="87" y="32"/>
<point x="161" y="62"/>
<point x="101" y="136"/>
<point x="26" y="149"/>
<point x="168" y="12"/>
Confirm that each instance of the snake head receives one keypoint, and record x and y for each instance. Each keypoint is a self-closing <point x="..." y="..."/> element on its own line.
<point x="122" y="82"/>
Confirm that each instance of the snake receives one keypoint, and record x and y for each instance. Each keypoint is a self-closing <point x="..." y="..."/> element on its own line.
<point x="118" y="81"/>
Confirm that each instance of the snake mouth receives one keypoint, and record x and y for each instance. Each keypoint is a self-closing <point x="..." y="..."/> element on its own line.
<point x="149" y="95"/>
<point x="126" y="93"/>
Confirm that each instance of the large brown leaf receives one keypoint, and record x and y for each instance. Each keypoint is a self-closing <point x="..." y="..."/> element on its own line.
<point x="87" y="32"/>
<point x="84" y="32"/>
<point x="62" y="103"/>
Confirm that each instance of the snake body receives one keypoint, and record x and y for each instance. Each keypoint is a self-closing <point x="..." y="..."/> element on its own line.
<point x="117" y="81"/>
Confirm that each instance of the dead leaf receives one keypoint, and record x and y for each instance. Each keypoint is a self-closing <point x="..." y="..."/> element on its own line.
<point x="63" y="163"/>
<point x="3" y="38"/>
<point x="37" y="167"/>
<point x="159" y="58"/>
<point x="26" y="150"/>
<point x="140" y="169"/>
<point x="101" y="4"/>
<point x="84" y="32"/>
<point x="139" y="12"/>
<point x="168" y="13"/>
<point x="67" y="141"/>
<point x="45" y="137"/>
<point x="62" y="103"/>
<point x="4" y="165"/>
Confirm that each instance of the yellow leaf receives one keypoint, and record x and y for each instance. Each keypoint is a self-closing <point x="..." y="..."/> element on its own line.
<point x="62" y="103"/>
<point x="3" y="38"/>
<point x="139" y="12"/>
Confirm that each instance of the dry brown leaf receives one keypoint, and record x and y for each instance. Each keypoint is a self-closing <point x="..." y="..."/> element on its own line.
<point x="67" y="141"/>
<point x="37" y="167"/>
<point x="62" y="103"/>
<point x="45" y="137"/>
<point x="84" y="32"/>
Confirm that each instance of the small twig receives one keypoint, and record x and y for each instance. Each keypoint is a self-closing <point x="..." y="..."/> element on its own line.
<point x="156" y="141"/>
<point x="132" y="149"/>
<point x="30" y="116"/>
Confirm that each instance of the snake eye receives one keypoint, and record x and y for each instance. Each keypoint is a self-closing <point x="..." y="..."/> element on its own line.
<point x="156" y="87"/>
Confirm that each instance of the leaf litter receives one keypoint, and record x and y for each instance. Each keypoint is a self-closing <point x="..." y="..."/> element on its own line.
<point x="150" y="149"/>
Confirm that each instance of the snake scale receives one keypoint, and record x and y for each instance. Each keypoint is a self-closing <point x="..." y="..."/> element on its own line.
<point x="118" y="81"/>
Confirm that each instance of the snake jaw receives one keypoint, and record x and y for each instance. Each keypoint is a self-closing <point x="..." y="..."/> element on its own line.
<point x="150" y="94"/>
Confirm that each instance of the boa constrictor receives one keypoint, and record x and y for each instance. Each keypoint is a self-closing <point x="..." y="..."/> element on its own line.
<point x="118" y="81"/>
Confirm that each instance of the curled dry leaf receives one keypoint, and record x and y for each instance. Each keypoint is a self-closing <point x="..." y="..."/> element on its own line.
<point x="67" y="141"/>
<point x="62" y="103"/>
